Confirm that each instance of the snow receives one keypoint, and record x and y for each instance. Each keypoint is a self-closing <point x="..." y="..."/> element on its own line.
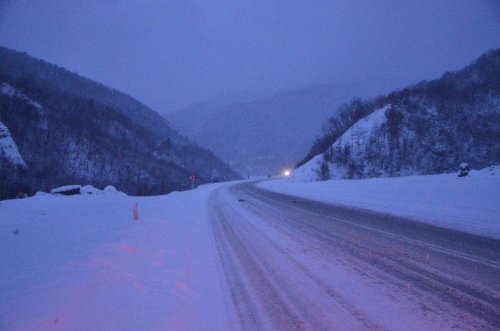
<point x="359" y="132"/>
<point x="13" y="92"/>
<point x="65" y="188"/>
<point x="110" y="189"/>
<point x="469" y="204"/>
<point x="356" y="137"/>
<point x="8" y="147"/>
<point x="89" y="189"/>
<point x="307" y="172"/>
<point x="8" y="90"/>
<point x="264" y="232"/>
<point x="432" y="110"/>
<point x="81" y="263"/>
<point x="84" y="190"/>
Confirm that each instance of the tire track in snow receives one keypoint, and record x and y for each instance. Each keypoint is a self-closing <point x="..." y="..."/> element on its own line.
<point x="251" y="259"/>
<point x="395" y="255"/>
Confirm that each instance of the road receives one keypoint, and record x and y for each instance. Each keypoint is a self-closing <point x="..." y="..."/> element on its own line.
<point x="294" y="264"/>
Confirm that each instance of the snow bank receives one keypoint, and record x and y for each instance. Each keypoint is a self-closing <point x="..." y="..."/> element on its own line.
<point x="110" y="189"/>
<point x="83" y="190"/>
<point x="82" y="263"/>
<point x="469" y="204"/>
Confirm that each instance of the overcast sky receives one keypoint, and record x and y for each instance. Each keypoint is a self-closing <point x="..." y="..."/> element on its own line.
<point x="170" y="54"/>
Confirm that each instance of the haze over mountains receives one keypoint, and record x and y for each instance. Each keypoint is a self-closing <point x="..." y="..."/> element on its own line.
<point x="59" y="128"/>
<point x="259" y="134"/>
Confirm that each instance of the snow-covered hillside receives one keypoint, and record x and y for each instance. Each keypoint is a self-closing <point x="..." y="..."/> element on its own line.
<point x="428" y="128"/>
<point x="355" y="142"/>
<point x="8" y="148"/>
<point x="469" y="204"/>
<point x="70" y="129"/>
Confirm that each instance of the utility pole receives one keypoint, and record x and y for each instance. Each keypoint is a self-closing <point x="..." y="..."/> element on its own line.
<point x="191" y="179"/>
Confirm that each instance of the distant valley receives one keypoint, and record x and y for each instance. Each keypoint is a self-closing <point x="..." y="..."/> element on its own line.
<point x="261" y="135"/>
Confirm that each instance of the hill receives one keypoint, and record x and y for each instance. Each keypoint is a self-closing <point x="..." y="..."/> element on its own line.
<point x="427" y="128"/>
<point x="59" y="128"/>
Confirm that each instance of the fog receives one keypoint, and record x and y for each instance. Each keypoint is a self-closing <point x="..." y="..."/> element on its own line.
<point x="171" y="54"/>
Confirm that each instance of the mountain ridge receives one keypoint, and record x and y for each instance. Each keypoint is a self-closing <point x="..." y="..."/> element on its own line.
<point x="68" y="138"/>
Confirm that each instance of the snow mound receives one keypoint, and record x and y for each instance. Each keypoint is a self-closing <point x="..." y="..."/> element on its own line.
<point x="85" y="190"/>
<point x="110" y="189"/>
<point x="8" y="148"/>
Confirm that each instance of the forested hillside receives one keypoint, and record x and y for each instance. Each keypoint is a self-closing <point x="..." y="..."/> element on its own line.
<point x="68" y="129"/>
<point x="427" y="128"/>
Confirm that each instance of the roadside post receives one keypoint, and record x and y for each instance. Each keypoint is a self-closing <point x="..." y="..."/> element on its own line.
<point x="136" y="211"/>
<point x="191" y="179"/>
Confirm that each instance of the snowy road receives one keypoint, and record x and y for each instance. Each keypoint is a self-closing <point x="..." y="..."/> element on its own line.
<point x="230" y="256"/>
<point x="292" y="264"/>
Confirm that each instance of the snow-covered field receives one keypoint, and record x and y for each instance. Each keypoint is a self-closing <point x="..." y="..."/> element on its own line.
<point x="82" y="263"/>
<point x="470" y="204"/>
